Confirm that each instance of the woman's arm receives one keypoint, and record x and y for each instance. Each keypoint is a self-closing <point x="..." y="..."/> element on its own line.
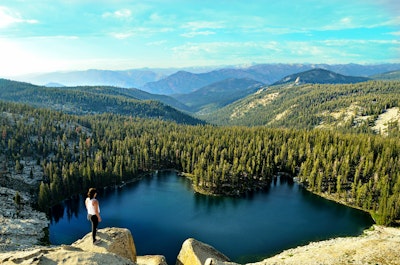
<point x="96" y="209"/>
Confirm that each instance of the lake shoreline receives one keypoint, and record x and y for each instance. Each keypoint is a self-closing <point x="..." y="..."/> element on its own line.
<point x="141" y="177"/>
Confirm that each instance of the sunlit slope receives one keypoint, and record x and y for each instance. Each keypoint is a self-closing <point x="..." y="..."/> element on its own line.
<point x="356" y="107"/>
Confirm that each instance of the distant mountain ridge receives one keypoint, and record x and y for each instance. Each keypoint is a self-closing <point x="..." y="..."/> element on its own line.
<point x="180" y="81"/>
<point x="186" y="82"/>
<point x="218" y="94"/>
<point x="94" y="77"/>
<point x="320" y="76"/>
<point x="392" y="75"/>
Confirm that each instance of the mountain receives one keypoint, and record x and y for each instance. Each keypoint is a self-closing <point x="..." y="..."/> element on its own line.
<point x="93" y="100"/>
<point x="392" y="75"/>
<point x="52" y="84"/>
<point x="93" y="77"/>
<point x="185" y="82"/>
<point x="319" y="76"/>
<point x="360" y="107"/>
<point x="219" y="94"/>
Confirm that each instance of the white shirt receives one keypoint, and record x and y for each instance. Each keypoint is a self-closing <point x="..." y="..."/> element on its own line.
<point x="90" y="207"/>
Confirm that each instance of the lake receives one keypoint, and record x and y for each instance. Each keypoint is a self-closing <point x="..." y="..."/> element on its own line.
<point x="162" y="211"/>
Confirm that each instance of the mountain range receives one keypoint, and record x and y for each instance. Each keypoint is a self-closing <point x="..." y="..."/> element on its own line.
<point x="231" y="101"/>
<point x="181" y="81"/>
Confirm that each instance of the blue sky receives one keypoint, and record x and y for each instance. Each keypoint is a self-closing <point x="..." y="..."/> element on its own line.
<point x="53" y="35"/>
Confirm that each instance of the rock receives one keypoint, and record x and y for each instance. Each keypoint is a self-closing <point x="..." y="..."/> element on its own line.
<point x="21" y="226"/>
<point x="211" y="261"/>
<point x="60" y="255"/>
<point x="380" y="245"/>
<point x="112" y="240"/>
<point x="117" y="248"/>
<point x="194" y="252"/>
<point x="151" y="260"/>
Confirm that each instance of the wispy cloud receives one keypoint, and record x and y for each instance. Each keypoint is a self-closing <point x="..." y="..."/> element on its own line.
<point x="157" y="43"/>
<point x="201" y="28"/>
<point x="199" y="25"/>
<point x="119" y="14"/>
<point x="192" y="34"/>
<point x="139" y="31"/>
<point x="288" y="51"/>
<point x="9" y="17"/>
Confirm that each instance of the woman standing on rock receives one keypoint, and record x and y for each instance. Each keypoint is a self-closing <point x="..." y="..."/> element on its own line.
<point x="93" y="210"/>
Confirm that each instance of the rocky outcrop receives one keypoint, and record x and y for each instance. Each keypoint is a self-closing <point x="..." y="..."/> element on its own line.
<point x="66" y="255"/>
<point x="112" y="240"/>
<point x="20" y="226"/>
<point x="116" y="247"/>
<point x="151" y="260"/>
<point x="379" y="245"/>
<point x="194" y="252"/>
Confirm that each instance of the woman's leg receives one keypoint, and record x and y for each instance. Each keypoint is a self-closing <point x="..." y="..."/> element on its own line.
<point x="95" y="223"/>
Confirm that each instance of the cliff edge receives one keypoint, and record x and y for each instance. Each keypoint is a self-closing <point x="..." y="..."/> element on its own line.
<point x="378" y="245"/>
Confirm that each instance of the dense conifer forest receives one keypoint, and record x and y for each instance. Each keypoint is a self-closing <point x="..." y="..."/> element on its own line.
<point x="75" y="152"/>
<point x="311" y="105"/>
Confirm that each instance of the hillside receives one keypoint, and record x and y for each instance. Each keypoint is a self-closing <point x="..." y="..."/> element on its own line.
<point x="393" y="75"/>
<point x="219" y="94"/>
<point x="349" y="107"/>
<point x="319" y="76"/>
<point x="94" y="100"/>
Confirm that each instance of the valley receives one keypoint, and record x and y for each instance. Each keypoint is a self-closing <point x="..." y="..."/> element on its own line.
<point x="228" y="138"/>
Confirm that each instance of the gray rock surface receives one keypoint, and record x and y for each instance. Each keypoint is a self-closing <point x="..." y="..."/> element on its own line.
<point x="20" y="225"/>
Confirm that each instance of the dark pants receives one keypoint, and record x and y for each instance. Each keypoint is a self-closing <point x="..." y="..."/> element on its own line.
<point x="95" y="222"/>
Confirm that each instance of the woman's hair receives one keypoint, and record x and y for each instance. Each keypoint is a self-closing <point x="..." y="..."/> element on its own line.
<point x="91" y="193"/>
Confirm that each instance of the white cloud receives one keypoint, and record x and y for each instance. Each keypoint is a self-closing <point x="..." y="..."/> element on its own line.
<point x="139" y="31"/>
<point x="122" y="35"/>
<point x="8" y="17"/>
<point x="198" y="25"/>
<point x="157" y="43"/>
<point x="332" y="51"/>
<point x="119" y="14"/>
<point x="197" y="33"/>
<point x="201" y="28"/>
<point x="396" y="33"/>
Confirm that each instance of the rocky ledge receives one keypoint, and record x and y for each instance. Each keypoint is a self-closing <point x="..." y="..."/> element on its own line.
<point x="378" y="245"/>
<point x="20" y="225"/>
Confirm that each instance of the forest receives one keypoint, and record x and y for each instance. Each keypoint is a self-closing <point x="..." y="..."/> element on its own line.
<point x="311" y="105"/>
<point x="76" y="152"/>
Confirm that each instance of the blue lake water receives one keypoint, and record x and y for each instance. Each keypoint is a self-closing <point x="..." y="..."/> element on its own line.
<point x="162" y="211"/>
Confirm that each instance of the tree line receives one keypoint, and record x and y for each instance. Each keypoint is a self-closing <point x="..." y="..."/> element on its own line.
<point x="76" y="152"/>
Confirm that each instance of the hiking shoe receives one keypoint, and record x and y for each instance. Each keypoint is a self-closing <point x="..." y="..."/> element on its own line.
<point x="96" y="242"/>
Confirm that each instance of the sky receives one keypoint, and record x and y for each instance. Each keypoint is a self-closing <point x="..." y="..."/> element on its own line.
<point x="63" y="35"/>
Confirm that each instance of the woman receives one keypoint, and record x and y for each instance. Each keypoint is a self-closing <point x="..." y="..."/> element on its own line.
<point x="93" y="209"/>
